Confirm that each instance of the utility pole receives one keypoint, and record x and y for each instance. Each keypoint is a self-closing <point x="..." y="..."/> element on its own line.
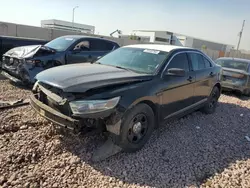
<point x="73" y="16"/>
<point x="240" y="35"/>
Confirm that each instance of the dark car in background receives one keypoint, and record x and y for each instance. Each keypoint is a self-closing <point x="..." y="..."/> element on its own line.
<point x="235" y="74"/>
<point x="23" y="63"/>
<point x="129" y="91"/>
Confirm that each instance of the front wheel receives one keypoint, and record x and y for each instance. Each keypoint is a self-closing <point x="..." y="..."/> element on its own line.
<point x="136" y="128"/>
<point x="212" y="102"/>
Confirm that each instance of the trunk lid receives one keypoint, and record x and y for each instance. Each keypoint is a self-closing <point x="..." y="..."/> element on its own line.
<point x="233" y="75"/>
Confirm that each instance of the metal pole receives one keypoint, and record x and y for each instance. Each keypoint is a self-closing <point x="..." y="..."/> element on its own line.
<point x="240" y="35"/>
<point x="73" y="17"/>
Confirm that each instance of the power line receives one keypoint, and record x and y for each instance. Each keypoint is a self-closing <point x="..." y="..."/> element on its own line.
<point x="240" y="35"/>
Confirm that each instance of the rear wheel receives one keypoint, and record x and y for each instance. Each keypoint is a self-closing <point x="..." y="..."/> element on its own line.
<point x="212" y="102"/>
<point x="136" y="129"/>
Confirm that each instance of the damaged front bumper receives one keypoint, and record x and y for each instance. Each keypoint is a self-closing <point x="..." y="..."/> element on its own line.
<point x="22" y="72"/>
<point x="10" y="77"/>
<point x="53" y="115"/>
<point x="75" y="124"/>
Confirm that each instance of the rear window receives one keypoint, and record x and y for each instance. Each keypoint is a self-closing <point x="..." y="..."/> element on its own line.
<point x="233" y="64"/>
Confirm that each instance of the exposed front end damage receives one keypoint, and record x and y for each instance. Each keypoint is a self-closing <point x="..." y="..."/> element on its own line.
<point x="21" y="64"/>
<point x="53" y="104"/>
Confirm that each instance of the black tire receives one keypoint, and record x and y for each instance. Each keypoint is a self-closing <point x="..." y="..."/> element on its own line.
<point x="140" y="113"/>
<point x="212" y="102"/>
<point x="247" y="93"/>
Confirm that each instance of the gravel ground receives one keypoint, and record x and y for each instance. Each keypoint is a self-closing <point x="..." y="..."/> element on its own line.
<point x="195" y="151"/>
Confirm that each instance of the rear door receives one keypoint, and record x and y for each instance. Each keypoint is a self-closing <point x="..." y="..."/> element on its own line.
<point x="205" y="76"/>
<point x="100" y="47"/>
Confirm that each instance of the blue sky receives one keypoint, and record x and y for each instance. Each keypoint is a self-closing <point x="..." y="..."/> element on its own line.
<point x="215" y="20"/>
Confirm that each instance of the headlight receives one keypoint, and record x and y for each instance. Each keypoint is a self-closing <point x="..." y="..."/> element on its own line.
<point x="93" y="106"/>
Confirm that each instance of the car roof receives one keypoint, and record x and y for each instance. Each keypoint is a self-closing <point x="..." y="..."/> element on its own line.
<point x="85" y="36"/>
<point x="161" y="47"/>
<point x="236" y="59"/>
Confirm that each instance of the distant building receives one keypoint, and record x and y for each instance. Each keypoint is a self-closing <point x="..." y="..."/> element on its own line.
<point x="161" y="37"/>
<point x="67" y="26"/>
<point x="135" y="37"/>
<point x="171" y="38"/>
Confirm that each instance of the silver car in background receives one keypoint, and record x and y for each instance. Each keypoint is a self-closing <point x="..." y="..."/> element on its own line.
<point x="235" y="74"/>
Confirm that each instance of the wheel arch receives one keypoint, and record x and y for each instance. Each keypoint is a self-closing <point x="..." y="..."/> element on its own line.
<point x="155" y="109"/>
<point x="219" y="86"/>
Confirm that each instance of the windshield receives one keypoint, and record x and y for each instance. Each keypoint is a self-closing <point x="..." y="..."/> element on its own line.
<point x="135" y="59"/>
<point x="233" y="64"/>
<point x="61" y="43"/>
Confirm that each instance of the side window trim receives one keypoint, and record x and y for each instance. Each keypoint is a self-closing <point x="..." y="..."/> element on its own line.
<point x="190" y="62"/>
<point x="162" y="73"/>
<point x="187" y="51"/>
<point x="178" y="53"/>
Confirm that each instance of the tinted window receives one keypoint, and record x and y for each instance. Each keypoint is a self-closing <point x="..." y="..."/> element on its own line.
<point x="197" y="60"/>
<point x="207" y="63"/>
<point x="179" y="61"/>
<point x="101" y="45"/>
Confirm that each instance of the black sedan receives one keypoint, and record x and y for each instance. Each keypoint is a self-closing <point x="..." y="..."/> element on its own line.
<point x="129" y="91"/>
<point x="235" y="74"/>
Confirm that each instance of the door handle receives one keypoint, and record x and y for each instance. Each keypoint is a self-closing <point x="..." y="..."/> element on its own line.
<point x="190" y="79"/>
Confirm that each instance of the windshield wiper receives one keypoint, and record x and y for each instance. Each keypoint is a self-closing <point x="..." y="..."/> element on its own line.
<point x="123" y="68"/>
<point x="95" y="62"/>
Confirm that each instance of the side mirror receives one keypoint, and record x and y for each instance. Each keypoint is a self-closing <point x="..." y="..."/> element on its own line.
<point x="176" y="72"/>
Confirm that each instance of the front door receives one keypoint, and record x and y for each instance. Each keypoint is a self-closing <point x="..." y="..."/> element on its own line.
<point x="80" y="53"/>
<point x="177" y="91"/>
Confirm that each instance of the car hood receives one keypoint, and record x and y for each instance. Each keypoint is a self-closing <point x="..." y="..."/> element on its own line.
<point x="85" y="76"/>
<point x="22" y="52"/>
